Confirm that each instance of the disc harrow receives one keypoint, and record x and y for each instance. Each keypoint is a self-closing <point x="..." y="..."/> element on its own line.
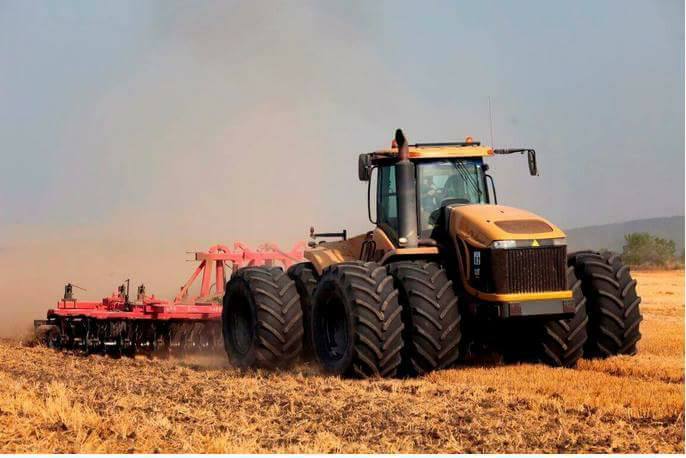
<point x="120" y="325"/>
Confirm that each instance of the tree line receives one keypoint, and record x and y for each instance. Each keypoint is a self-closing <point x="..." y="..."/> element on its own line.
<point x="644" y="249"/>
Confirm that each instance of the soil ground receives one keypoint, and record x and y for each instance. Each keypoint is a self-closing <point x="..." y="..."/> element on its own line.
<point x="54" y="402"/>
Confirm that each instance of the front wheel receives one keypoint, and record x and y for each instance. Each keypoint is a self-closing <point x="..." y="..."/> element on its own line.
<point x="563" y="341"/>
<point x="613" y="304"/>
<point x="555" y="342"/>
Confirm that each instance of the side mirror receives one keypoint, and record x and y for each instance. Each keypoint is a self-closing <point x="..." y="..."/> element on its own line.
<point x="531" y="155"/>
<point x="533" y="167"/>
<point x="364" y="167"/>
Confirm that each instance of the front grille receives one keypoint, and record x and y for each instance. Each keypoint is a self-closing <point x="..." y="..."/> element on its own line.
<point x="529" y="270"/>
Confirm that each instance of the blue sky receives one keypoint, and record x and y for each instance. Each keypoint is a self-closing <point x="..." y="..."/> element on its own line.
<point x="250" y="115"/>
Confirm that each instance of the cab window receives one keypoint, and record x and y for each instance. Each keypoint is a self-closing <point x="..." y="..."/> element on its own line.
<point x="447" y="182"/>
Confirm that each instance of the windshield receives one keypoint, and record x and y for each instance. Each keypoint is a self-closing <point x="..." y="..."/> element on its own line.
<point x="446" y="182"/>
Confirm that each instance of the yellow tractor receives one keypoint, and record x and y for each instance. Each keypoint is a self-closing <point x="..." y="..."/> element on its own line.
<point x="445" y="273"/>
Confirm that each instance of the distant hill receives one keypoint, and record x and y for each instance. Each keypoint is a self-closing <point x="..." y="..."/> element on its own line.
<point x="611" y="236"/>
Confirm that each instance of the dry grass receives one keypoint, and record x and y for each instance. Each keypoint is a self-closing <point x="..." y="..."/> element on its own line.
<point x="50" y="402"/>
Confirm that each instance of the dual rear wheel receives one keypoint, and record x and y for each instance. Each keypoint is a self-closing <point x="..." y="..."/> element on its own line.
<point x="358" y="319"/>
<point x="369" y="320"/>
<point x="262" y="318"/>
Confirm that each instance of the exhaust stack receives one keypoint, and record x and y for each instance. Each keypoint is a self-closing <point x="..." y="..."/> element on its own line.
<point x="407" y="196"/>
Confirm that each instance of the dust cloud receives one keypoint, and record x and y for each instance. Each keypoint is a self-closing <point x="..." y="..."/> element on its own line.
<point x="212" y="135"/>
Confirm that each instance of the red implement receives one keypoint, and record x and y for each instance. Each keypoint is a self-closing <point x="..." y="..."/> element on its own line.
<point x="118" y="325"/>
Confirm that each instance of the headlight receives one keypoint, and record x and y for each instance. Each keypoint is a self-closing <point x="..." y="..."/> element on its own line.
<point x="503" y="244"/>
<point x="560" y="242"/>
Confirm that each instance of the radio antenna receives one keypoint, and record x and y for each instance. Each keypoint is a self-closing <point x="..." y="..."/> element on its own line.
<point x="490" y="119"/>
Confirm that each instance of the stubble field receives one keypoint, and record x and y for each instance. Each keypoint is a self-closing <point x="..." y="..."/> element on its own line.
<point x="54" y="402"/>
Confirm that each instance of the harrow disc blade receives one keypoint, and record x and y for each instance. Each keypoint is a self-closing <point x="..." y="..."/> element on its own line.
<point x="121" y="337"/>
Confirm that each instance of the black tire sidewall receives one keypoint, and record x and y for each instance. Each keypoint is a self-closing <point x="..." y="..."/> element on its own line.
<point x="328" y="288"/>
<point x="405" y="368"/>
<point x="298" y="273"/>
<point x="239" y="287"/>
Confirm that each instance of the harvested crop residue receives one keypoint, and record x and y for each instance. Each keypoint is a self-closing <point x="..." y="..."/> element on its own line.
<point x="53" y="402"/>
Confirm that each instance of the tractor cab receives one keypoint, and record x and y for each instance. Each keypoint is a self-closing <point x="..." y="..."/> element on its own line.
<point x="441" y="175"/>
<point x="439" y="183"/>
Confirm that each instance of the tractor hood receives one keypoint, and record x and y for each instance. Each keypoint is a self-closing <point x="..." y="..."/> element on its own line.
<point x="480" y="225"/>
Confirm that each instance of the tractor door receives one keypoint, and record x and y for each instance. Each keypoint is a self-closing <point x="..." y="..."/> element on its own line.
<point x="387" y="202"/>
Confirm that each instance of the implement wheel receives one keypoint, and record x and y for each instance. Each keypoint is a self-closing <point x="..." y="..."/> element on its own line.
<point x="614" y="315"/>
<point x="262" y="318"/>
<point x="48" y="335"/>
<point x="356" y="321"/>
<point x="430" y="314"/>
<point x="305" y="278"/>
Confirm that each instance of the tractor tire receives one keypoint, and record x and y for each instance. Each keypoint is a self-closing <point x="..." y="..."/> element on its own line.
<point x="431" y="316"/>
<point x="262" y="319"/>
<point x="613" y="304"/>
<point x="356" y="321"/>
<point x="305" y="278"/>
<point x="562" y="342"/>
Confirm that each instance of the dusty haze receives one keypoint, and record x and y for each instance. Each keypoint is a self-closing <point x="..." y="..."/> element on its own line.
<point x="132" y="132"/>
